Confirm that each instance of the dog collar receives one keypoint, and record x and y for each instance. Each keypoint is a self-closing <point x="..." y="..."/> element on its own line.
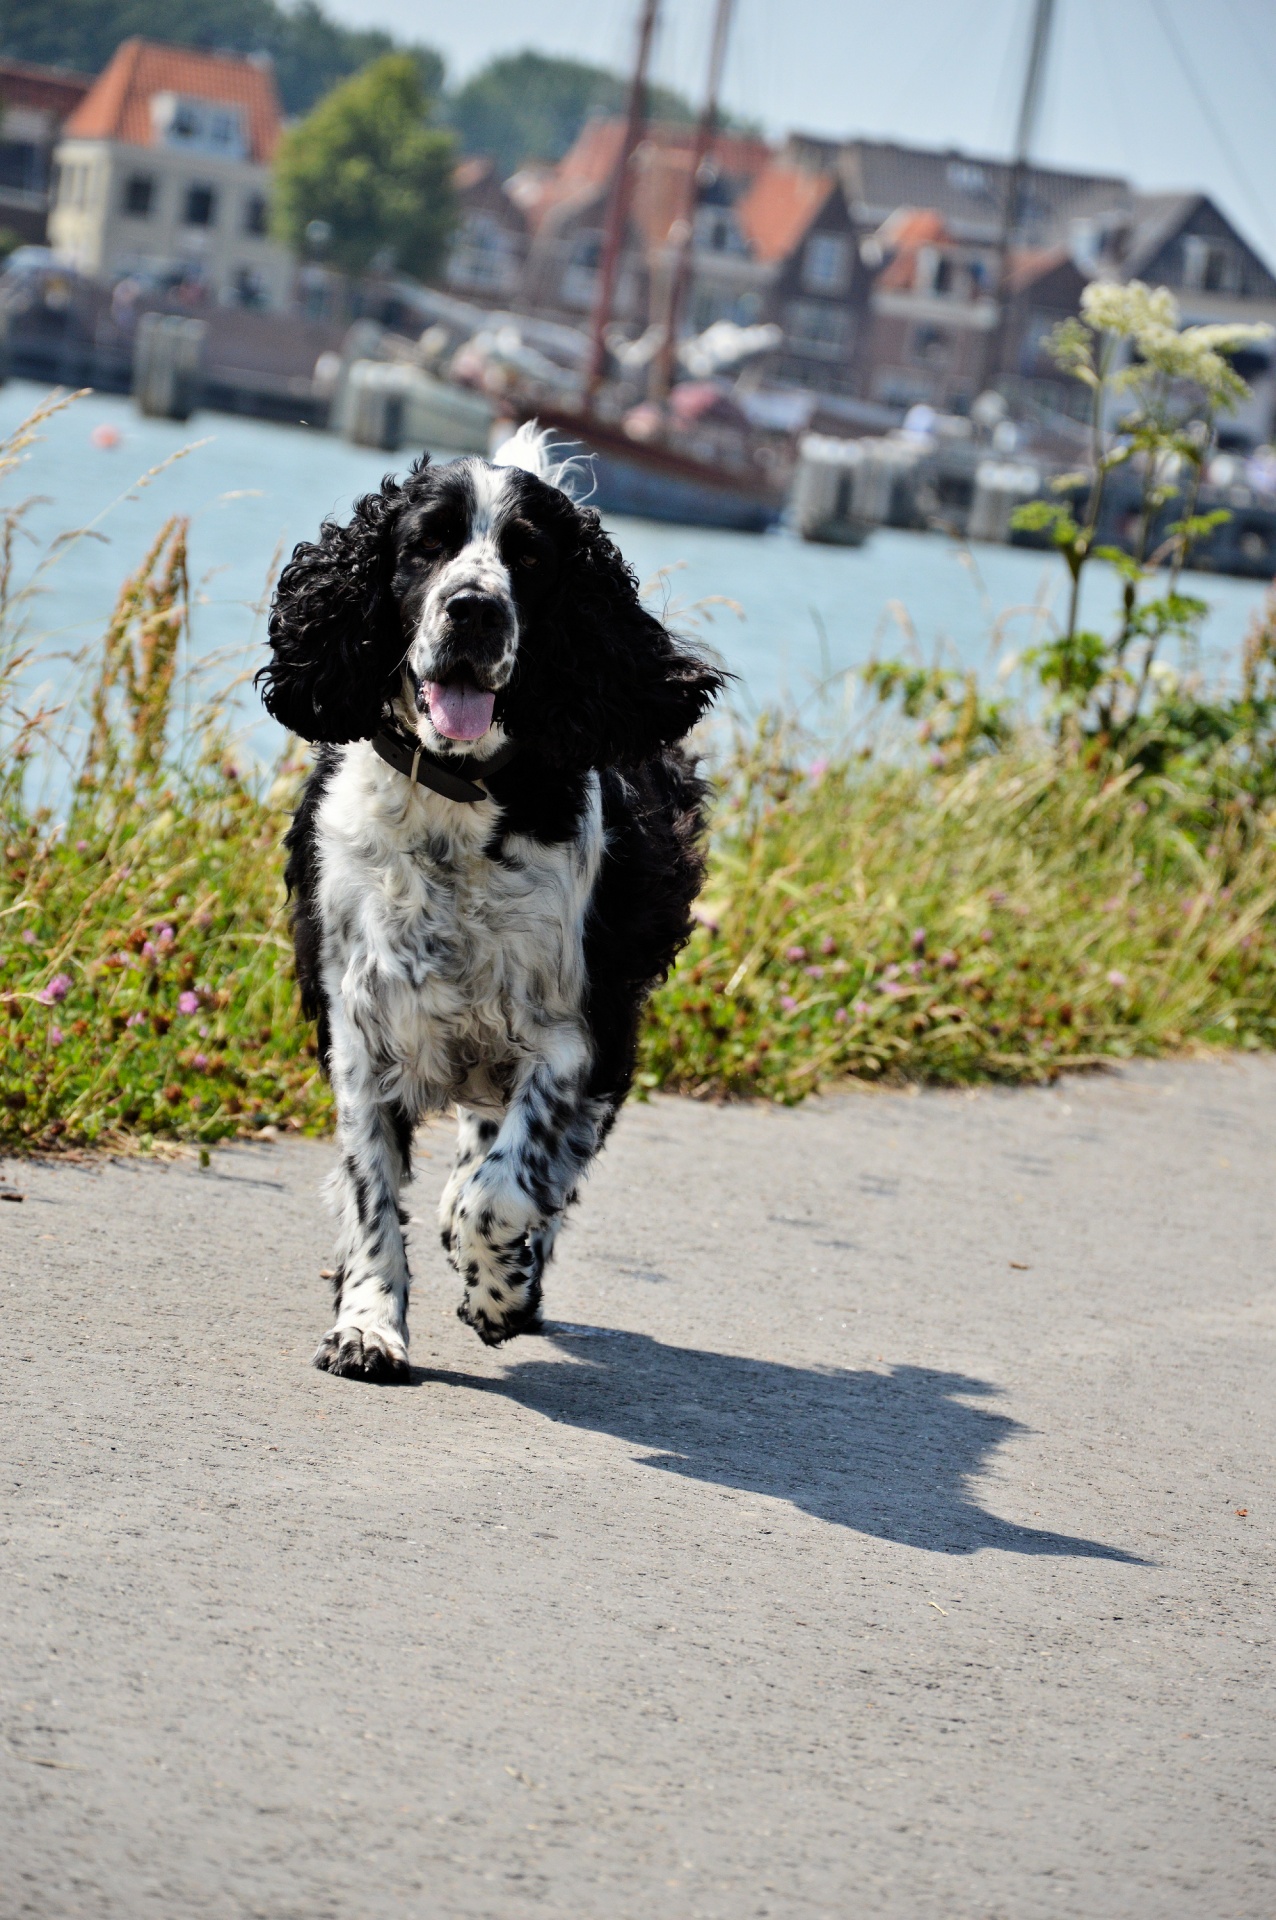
<point x="454" y="779"/>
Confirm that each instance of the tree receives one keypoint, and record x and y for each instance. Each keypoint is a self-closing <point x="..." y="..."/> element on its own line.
<point x="310" y="52"/>
<point x="367" y="163"/>
<point x="527" y="106"/>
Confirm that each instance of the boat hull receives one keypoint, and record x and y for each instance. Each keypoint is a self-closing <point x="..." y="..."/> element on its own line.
<point x="621" y="486"/>
<point x="662" y="483"/>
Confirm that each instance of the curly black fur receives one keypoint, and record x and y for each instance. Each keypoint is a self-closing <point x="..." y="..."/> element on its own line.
<point x="598" y="682"/>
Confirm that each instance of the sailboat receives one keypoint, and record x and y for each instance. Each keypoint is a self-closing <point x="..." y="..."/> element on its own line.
<point x="658" y="478"/>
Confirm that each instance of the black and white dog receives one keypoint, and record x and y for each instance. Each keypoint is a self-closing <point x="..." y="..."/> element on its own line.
<point x="492" y="864"/>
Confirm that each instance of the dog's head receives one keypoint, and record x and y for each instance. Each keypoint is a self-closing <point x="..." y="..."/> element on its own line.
<point x="476" y="603"/>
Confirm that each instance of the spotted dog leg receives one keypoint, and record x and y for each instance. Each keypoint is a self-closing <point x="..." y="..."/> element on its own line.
<point x="369" y="1336"/>
<point x="507" y="1213"/>
<point x="475" y="1133"/>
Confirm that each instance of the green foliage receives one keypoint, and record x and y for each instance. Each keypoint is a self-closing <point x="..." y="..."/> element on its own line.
<point x="146" y="984"/>
<point x="1168" y="386"/>
<point x="958" y="720"/>
<point x="310" y="51"/>
<point x="997" y="919"/>
<point x="530" y="106"/>
<point x="998" y="907"/>
<point x="370" y="165"/>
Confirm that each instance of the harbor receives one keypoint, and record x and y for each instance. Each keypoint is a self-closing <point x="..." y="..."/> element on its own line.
<point x="734" y="332"/>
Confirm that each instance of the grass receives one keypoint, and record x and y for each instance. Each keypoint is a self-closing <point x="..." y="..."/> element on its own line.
<point x="997" y="921"/>
<point x="995" y="917"/>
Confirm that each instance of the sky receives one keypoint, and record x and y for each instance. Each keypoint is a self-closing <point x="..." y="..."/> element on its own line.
<point x="1168" y="93"/>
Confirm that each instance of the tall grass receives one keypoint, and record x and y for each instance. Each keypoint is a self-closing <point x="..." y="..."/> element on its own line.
<point x="145" y="964"/>
<point x="1000" y="919"/>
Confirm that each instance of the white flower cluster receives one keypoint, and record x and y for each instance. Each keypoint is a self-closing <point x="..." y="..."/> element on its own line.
<point x="1150" y="317"/>
<point x="1128" y="310"/>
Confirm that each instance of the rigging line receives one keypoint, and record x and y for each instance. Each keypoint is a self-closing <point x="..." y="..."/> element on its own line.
<point x="1256" y="53"/>
<point x="1210" y="118"/>
<point x="1116" y="118"/>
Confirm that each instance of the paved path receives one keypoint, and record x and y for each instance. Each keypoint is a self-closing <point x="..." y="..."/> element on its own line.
<point x="864" y="1541"/>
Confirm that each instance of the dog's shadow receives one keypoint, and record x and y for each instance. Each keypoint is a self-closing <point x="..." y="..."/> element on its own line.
<point x="896" y="1454"/>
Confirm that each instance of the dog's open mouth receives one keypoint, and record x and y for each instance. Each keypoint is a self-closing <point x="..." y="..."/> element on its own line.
<point x="458" y="707"/>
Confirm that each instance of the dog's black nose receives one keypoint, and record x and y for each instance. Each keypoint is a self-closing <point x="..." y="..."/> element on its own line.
<point x="478" y="616"/>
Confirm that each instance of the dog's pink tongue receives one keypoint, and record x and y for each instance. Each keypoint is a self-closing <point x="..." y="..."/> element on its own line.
<point x="459" y="710"/>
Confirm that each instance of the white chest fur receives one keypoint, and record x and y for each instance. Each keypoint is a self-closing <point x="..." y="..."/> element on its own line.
<point x="450" y="969"/>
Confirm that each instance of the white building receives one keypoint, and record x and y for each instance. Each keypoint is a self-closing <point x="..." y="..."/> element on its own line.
<point x="163" y="172"/>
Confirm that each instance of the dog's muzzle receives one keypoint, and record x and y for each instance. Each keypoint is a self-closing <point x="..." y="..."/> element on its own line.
<point x="460" y="695"/>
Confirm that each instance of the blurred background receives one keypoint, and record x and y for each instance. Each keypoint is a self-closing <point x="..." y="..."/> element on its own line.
<point x="788" y="275"/>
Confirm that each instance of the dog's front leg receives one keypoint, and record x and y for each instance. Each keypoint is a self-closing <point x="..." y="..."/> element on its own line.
<point x="506" y="1215"/>
<point x="369" y="1336"/>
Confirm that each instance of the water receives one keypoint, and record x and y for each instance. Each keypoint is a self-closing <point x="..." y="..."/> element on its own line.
<point x="797" y="612"/>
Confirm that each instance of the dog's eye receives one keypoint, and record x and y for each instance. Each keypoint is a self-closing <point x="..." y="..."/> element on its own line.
<point x="431" y="546"/>
<point x="527" y="560"/>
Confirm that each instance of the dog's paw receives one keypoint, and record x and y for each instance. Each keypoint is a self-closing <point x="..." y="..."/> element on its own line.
<point x="498" y="1312"/>
<point x="362" y="1353"/>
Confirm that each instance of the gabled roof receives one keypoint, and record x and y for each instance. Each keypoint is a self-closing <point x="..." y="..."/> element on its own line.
<point x="1158" y="219"/>
<point x="779" y="207"/>
<point x="117" y="106"/>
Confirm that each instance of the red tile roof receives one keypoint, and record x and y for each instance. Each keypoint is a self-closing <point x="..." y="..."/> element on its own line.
<point x="779" y="207"/>
<point x="117" y="106"/>
<point x="659" y="178"/>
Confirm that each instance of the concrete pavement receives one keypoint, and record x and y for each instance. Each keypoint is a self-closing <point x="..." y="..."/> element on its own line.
<point x="884" y="1528"/>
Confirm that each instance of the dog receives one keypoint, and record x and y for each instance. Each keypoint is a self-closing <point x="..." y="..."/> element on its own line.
<point x="492" y="864"/>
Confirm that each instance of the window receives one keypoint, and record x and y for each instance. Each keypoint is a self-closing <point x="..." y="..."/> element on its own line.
<point x="200" y="126"/>
<point x="826" y="262"/>
<point x="716" y="231"/>
<point x="256" y="214"/>
<point x="817" y="327"/>
<point x="1210" y="265"/>
<point x="201" y="206"/>
<point x="580" y="280"/>
<point x="931" y="346"/>
<point x="248" y="288"/>
<point x="485" y="256"/>
<point x="1218" y="270"/>
<point x="139" y="195"/>
<point x="966" y="177"/>
<point x="73" y="185"/>
<point x="21" y="165"/>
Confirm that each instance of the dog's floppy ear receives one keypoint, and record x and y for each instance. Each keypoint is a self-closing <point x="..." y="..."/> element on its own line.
<point x="335" y="635"/>
<point x="607" y="684"/>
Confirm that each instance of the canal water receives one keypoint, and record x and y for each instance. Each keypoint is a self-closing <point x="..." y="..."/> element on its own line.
<point x="783" y="614"/>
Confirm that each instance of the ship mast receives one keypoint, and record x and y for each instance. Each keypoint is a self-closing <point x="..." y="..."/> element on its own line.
<point x="1029" y="106"/>
<point x="685" y="228"/>
<point x="618" y="201"/>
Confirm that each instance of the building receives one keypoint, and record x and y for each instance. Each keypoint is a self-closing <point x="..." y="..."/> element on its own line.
<point x="771" y="242"/>
<point x="811" y="281"/>
<point x="969" y="192"/>
<point x="885" y="266"/>
<point x="163" y="175"/>
<point x="489" y="248"/>
<point x="932" y="312"/>
<point x="34" y="104"/>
